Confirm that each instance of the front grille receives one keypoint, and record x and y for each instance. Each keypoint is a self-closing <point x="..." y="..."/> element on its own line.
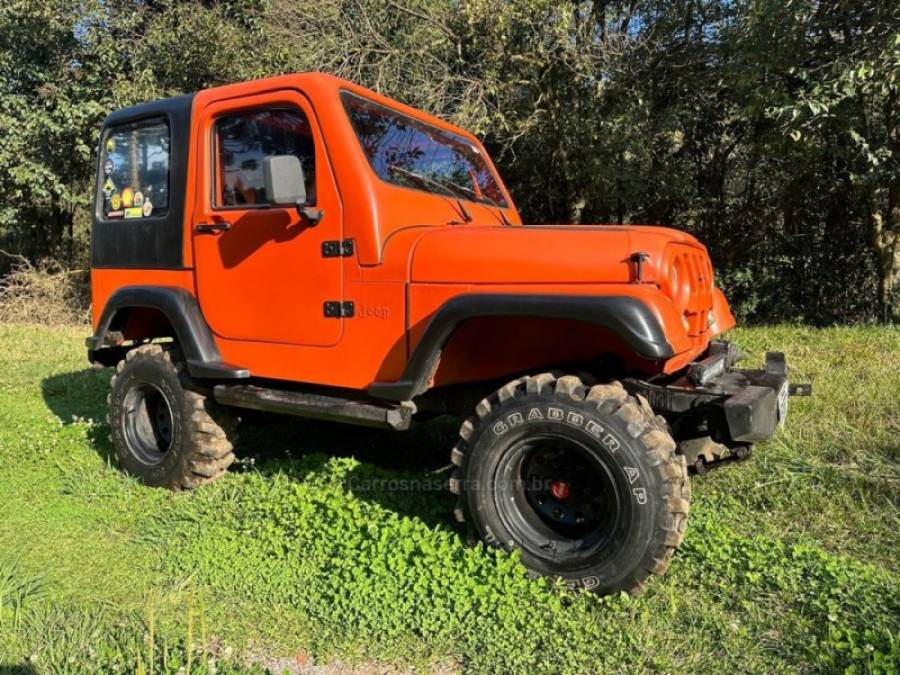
<point x="697" y="273"/>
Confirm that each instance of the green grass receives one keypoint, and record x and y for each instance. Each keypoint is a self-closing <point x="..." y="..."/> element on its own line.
<point x="317" y="544"/>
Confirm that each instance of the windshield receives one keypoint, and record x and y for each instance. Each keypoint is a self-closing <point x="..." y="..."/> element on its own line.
<point x="413" y="154"/>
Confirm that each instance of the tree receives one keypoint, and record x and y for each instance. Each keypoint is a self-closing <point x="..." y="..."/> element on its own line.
<point x="844" y="92"/>
<point x="65" y="64"/>
<point x="768" y="128"/>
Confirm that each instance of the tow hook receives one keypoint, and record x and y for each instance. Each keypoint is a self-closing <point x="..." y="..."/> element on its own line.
<point x="560" y="490"/>
<point x="703" y="453"/>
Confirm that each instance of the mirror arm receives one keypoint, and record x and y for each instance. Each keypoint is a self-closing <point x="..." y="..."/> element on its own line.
<point x="310" y="213"/>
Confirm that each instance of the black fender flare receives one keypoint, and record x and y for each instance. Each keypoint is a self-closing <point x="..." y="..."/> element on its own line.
<point x="628" y="318"/>
<point x="183" y="312"/>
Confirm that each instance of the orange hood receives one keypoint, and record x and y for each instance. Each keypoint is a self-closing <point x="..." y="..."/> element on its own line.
<point x="539" y="253"/>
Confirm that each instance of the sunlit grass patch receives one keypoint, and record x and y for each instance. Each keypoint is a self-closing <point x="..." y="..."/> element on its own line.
<point x="337" y="543"/>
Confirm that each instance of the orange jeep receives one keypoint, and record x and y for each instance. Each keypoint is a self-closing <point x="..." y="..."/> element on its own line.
<point x="303" y="245"/>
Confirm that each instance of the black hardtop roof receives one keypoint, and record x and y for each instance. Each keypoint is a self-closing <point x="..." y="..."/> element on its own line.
<point x="178" y="106"/>
<point x="154" y="242"/>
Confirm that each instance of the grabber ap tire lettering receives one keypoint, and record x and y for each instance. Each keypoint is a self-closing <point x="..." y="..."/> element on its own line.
<point x="582" y="480"/>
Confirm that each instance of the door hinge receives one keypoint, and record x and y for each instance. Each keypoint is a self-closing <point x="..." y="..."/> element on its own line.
<point x="335" y="309"/>
<point x="337" y="249"/>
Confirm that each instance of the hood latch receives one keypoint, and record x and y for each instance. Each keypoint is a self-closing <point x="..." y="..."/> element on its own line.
<point x="638" y="258"/>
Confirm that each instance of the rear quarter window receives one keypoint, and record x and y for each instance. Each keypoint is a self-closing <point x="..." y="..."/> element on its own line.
<point x="134" y="170"/>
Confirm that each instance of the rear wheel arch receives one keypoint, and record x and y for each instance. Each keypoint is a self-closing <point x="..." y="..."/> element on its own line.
<point x="141" y="323"/>
<point x="181" y="313"/>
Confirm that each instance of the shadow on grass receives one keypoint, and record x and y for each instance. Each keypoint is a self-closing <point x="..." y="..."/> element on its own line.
<point x="402" y="471"/>
<point x="20" y="669"/>
<point x="405" y="472"/>
<point x="81" y="395"/>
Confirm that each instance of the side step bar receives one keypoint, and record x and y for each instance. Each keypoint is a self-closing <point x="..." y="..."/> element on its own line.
<point x="318" y="406"/>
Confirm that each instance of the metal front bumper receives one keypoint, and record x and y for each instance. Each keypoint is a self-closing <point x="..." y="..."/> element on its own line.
<point x="735" y="406"/>
<point x="756" y="401"/>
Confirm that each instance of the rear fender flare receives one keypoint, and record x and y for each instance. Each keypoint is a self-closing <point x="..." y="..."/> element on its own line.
<point x="183" y="312"/>
<point x="628" y="318"/>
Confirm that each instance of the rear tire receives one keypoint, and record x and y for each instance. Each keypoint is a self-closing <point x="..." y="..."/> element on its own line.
<point x="164" y="432"/>
<point x="583" y="481"/>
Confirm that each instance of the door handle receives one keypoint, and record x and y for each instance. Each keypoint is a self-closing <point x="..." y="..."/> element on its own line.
<point x="212" y="228"/>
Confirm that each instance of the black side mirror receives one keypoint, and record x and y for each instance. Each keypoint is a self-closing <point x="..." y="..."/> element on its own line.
<point x="285" y="184"/>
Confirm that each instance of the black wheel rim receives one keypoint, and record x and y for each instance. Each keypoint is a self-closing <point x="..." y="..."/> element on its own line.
<point x="559" y="499"/>
<point x="148" y="423"/>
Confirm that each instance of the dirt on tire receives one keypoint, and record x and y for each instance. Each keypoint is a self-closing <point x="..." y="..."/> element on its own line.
<point x="639" y="432"/>
<point x="203" y="434"/>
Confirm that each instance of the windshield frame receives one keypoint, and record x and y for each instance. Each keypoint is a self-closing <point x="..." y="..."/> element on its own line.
<point x="503" y="203"/>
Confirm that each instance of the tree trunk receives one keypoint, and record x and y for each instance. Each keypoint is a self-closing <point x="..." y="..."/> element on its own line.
<point x="886" y="228"/>
<point x="576" y="209"/>
<point x="889" y="281"/>
<point x="886" y="241"/>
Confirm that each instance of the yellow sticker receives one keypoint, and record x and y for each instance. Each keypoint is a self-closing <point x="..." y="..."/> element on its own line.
<point x="110" y="145"/>
<point x="115" y="201"/>
<point x="127" y="197"/>
<point x="134" y="212"/>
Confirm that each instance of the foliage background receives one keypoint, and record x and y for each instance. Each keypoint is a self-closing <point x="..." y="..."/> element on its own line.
<point x="766" y="127"/>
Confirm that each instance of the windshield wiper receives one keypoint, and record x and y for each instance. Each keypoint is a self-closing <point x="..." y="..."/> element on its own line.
<point x="483" y="197"/>
<point x="500" y="210"/>
<point x="478" y="197"/>
<point x="425" y="180"/>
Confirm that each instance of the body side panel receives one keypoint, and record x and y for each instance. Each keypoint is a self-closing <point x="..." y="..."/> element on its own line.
<point x="373" y="345"/>
<point x="105" y="282"/>
<point x="376" y="346"/>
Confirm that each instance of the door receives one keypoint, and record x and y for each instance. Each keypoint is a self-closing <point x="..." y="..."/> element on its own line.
<point x="261" y="275"/>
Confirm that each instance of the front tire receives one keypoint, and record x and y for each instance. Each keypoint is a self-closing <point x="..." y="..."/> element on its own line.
<point x="165" y="433"/>
<point x="583" y="481"/>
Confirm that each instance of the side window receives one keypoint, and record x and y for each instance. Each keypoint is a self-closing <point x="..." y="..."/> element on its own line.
<point x="243" y="141"/>
<point x="135" y="170"/>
